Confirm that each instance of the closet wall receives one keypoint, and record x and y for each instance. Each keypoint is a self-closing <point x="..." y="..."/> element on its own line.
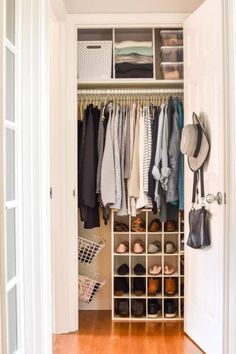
<point x="101" y="264"/>
<point x="91" y="40"/>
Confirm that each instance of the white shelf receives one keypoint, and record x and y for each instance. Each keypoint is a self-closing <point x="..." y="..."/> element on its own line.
<point x="120" y="233"/>
<point x="147" y="260"/>
<point x="82" y="84"/>
<point x="145" y="319"/>
<point x="171" y="275"/>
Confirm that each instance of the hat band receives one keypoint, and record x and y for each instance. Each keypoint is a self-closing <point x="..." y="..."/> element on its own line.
<point x="199" y="141"/>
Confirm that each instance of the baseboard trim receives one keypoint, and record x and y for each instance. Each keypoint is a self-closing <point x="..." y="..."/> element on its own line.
<point x="96" y="305"/>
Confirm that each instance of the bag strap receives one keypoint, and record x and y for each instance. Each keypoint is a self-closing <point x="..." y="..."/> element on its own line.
<point x="198" y="174"/>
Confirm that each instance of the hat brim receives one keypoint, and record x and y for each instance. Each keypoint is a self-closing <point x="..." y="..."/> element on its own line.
<point x="196" y="162"/>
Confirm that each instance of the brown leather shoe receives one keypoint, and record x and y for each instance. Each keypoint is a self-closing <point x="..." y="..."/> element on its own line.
<point x="138" y="225"/>
<point x="170" y="286"/>
<point x="154" y="285"/>
<point x="171" y="226"/>
<point x="154" y="226"/>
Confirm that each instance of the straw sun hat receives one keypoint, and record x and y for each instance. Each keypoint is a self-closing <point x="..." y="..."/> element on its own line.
<point x="195" y="143"/>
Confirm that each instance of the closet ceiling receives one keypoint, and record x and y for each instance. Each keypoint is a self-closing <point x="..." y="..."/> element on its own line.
<point x="131" y="6"/>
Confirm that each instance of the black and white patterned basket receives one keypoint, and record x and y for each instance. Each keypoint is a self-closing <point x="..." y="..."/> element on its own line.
<point x="89" y="285"/>
<point x="89" y="247"/>
<point x="94" y="60"/>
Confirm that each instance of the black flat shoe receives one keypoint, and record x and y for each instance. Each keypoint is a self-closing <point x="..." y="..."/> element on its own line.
<point x="139" y="269"/>
<point x="123" y="269"/>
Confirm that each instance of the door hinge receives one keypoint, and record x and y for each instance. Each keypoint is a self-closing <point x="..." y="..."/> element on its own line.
<point x="224" y="198"/>
<point x="73" y="193"/>
<point x="50" y="193"/>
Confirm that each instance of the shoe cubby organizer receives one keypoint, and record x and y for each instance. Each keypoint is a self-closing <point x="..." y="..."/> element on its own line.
<point x="147" y="268"/>
<point x="89" y="282"/>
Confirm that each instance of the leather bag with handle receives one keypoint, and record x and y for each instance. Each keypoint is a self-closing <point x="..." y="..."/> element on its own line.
<point x="198" y="218"/>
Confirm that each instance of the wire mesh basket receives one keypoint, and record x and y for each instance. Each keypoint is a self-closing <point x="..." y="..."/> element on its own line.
<point x="89" y="285"/>
<point x="89" y="248"/>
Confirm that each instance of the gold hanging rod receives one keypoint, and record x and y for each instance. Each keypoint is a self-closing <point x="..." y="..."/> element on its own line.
<point x="111" y="92"/>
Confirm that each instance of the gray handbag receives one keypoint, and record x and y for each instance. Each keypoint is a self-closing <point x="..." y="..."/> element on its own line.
<point x="198" y="218"/>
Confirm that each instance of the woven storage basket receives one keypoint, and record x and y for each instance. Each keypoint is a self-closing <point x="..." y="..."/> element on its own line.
<point x="89" y="247"/>
<point x="94" y="60"/>
<point x="89" y="285"/>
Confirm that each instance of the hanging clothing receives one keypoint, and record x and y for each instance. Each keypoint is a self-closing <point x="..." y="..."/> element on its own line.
<point x="132" y="135"/>
<point x="148" y="118"/>
<point x="141" y="200"/>
<point x="151" y="180"/>
<point x="172" y="194"/>
<point x="101" y="142"/>
<point x="116" y="148"/>
<point x="108" y="192"/>
<point x="124" y="117"/>
<point x="88" y="160"/>
<point x="181" y="160"/>
<point x="129" y="159"/>
<point x="156" y="170"/>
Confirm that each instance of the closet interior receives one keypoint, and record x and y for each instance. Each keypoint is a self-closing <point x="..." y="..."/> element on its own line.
<point x="131" y="246"/>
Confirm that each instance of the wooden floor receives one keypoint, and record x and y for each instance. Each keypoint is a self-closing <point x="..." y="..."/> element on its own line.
<point x="99" y="335"/>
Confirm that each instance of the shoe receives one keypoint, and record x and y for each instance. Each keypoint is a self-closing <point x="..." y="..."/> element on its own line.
<point x="154" y="247"/>
<point x="171" y="226"/>
<point x="169" y="270"/>
<point x="170" y="308"/>
<point x="138" y="247"/>
<point x="182" y="244"/>
<point x="139" y="269"/>
<point x="123" y="247"/>
<point x="123" y="269"/>
<point x="139" y="287"/>
<point x="182" y="289"/>
<point x="155" y="269"/>
<point x="123" y="308"/>
<point x="138" y="308"/>
<point x="154" y="285"/>
<point x="170" y="247"/>
<point x="154" y="226"/>
<point x="170" y="286"/>
<point x="182" y="265"/>
<point x="154" y="308"/>
<point x="120" y="227"/>
<point x="121" y="286"/>
<point x="138" y="225"/>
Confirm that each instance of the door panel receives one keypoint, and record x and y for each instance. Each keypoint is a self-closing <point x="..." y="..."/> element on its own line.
<point x="11" y="244"/>
<point x="204" y="95"/>
<point x="10" y="164"/>
<point x="12" y="321"/>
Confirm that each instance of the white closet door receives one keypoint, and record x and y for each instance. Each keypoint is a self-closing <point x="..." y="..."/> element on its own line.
<point x="12" y="181"/>
<point x="204" y="95"/>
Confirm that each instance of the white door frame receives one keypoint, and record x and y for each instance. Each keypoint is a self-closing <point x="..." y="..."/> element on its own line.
<point x="35" y="165"/>
<point x="2" y="264"/>
<point x="106" y="20"/>
<point x="230" y="78"/>
<point x="229" y="36"/>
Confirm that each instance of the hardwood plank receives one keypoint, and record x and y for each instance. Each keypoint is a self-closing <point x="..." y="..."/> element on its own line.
<point x="99" y="335"/>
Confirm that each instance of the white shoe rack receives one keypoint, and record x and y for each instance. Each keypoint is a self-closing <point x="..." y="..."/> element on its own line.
<point x="147" y="260"/>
